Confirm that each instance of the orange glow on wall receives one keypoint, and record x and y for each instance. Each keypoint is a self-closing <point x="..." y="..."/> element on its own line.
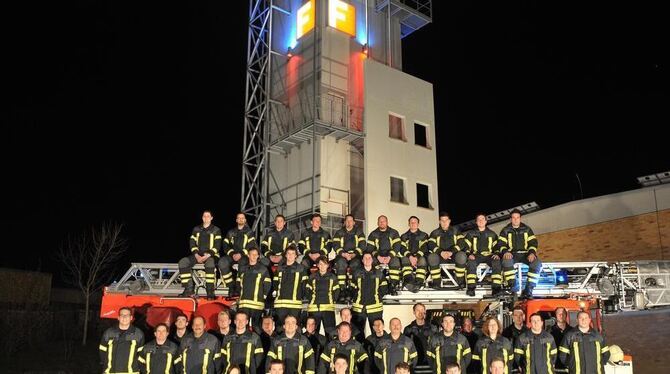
<point x="342" y="16"/>
<point x="305" y="22"/>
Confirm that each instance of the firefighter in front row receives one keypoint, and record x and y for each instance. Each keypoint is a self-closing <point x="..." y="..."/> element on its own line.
<point x="242" y="348"/>
<point x="346" y="345"/>
<point x="518" y="244"/>
<point x="276" y="241"/>
<point x="481" y="247"/>
<point x="370" y="286"/>
<point x="444" y="248"/>
<point x="348" y="244"/>
<point x="420" y="331"/>
<point x="236" y="244"/>
<point x="492" y="345"/>
<point x="583" y="350"/>
<point x="120" y="345"/>
<point x="205" y="245"/>
<point x="385" y="245"/>
<point x="395" y="349"/>
<point x="254" y="285"/>
<point x="293" y="348"/>
<point x="200" y="351"/>
<point x="159" y="355"/>
<point x="322" y="290"/>
<point x="448" y="347"/>
<point x="314" y="243"/>
<point x="535" y="349"/>
<point x="414" y="264"/>
<point x="289" y="284"/>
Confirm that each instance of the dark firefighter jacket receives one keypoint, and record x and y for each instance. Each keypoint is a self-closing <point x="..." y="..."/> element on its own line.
<point x="296" y="352"/>
<point x="315" y="242"/>
<point x="255" y="285"/>
<point x="487" y="349"/>
<point x="420" y="336"/>
<point x="199" y="355"/>
<point x="275" y="242"/>
<point x="414" y="243"/>
<point x="584" y="353"/>
<point x="371" y="286"/>
<point x="481" y="242"/>
<point x="352" y="349"/>
<point x="520" y="239"/>
<point x="239" y="241"/>
<point x="535" y="353"/>
<point x="390" y="352"/>
<point x="244" y="350"/>
<point x="322" y="291"/>
<point x="349" y="241"/>
<point x="290" y="283"/>
<point x="119" y="350"/>
<point x="444" y="240"/>
<point x="385" y="243"/>
<point x="155" y="358"/>
<point x="206" y="240"/>
<point x="444" y="350"/>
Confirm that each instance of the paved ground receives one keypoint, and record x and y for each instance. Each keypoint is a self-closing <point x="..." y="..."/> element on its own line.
<point x="643" y="334"/>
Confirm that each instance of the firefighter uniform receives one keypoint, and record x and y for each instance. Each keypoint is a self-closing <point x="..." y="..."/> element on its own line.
<point x="370" y="287"/>
<point x="390" y="352"/>
<point x="318" y="343"/>
<point x="558" y="335"/>
<point x="296" y="353"/>
<point x="199" y="355"/>
<point x="446" y="241"/>
<point x="453" y="349"/>
<point x="482" y="244"/>
<point x="420" y="334"/>
<point x="322" y="291"/>
<point x="275" y="242"/>
<point x="487" y="349"/>
<point x="254" y="285"/>
<point x="387" y="243"/>
<point x="535" y="353"/>
<point x="520" y="242"/>
<point x="352" y="242"/>
<point x="371" y="343"/>
<point x="236" y="241"/>
<point x="158" y="358"/>
<point x="414" y="244"/>
<point x="203" y="240"/>
<point x="352" y="349"/>
<point x="313" y="242"/>
<point x="244" y="350"/>
<point x="289" y="282"/>
<point x="584" y="353"/>
<point x="119" y="350"/>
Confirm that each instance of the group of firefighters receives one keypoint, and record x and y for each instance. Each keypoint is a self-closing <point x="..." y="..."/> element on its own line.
<point x="270" y="278"/>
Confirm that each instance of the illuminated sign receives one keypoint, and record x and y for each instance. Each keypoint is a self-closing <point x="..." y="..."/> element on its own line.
<point x="306" y="17"/>
<point x="342" y="16"/>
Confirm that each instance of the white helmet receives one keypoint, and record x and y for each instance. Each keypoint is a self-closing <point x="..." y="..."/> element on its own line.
<point x="616" y="354"/>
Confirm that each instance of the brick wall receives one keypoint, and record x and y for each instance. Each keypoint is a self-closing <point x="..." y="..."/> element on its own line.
<point x="641" y="237"/>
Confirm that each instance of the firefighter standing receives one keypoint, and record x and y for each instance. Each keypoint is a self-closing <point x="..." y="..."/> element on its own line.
<point x="322" y="290"/>
<point x="317" y="340"/>
<point x="181" y="329"/>
<point x="395" y="349"/>
<point x="242" y="348"/>
<point x="385" y="245"/>
<point x="414" y="264"/>
<point x="583" y="350"/>
<point x="347" y="346"/>
<point x="535" y="349"/>
<point x="277" y="240"/>
<point x="293" y="348"/>
<point x="158" y="356"/>
<point x="237" y="242"/>
<point x="205" y="245"/>
<point x="420" y="332"/>
<point x="314" y="243"/>
<point x="372" y="342"/>
<point x="518" y="244"/>
<point x="518" y="326"/>
<point x="254" y="285"/>
<point x="448" y="347"/>
<point x="492" y="345"/>
<point x="223" y="325"/>
<point x="371" y="287"/>
<point x="119" y="345"/>
<point x="481" y="247"/>
<point x="559" y="330"/>
<point x="199" y="351"/>
<point x="289" y="283"/>
<point x="443" y="246"/>
<point x="348" y="243"/>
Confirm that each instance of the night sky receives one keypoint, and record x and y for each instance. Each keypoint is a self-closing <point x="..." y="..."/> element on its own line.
<point x="133" y="111"/>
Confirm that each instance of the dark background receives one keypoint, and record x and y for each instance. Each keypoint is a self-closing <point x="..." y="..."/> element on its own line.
<point x="133" y="111"/>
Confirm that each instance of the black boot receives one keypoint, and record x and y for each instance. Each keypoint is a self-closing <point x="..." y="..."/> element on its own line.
<point x="470" y="291"/>
<point x="210" y="291"/>
<point x="189" y="289"/>
<point x="436" y="284"/>
<point x="496" y="291"/>
<point x="393" y="288"/>
<point x="527" y="293"/>
<point x="233" y="290"/>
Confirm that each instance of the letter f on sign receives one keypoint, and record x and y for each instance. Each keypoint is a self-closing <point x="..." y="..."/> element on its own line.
<point x="342" y="16"/>
<point x="305" y="19"/>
